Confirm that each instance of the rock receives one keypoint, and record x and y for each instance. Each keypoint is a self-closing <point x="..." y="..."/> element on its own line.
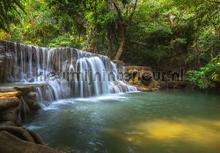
<point x="29" y="96"/>
<point x="142" y="78"/>
<point x="11" y="115"/>
<point x="7" y="123"/>
<point x="36" y="137"/>
<point x="18" y="132"/>
<point x="22" y="133"/>
<point x="6" y="62"/>
<point x="172" y="84"/>
<point x="31" y="100"/>
<point x="9" y="94"/>
<point x="17" y="103"/>
<point x="9" y="109"/>
<point x="146" y="78"/>
<point x="24" y="89"/>
<point x="8" y="103"/>
<point x="12" y="144"/>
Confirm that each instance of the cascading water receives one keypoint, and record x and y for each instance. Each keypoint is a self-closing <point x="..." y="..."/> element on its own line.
<point x="66" y="72"/>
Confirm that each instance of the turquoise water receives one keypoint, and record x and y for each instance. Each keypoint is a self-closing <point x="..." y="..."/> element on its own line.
<point x="159" y="122"/>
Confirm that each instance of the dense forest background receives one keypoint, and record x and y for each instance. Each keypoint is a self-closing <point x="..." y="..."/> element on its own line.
<point x="156" y="33"/>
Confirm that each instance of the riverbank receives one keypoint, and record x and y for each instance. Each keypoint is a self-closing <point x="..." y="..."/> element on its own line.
<point x="16" y="103"/>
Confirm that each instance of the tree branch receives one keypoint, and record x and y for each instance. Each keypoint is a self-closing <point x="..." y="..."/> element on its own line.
<point x="213" y="1"/>
<point x="118" y="10"/>
<point x="133" y="11"/>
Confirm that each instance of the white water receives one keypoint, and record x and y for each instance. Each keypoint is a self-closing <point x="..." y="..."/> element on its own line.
<point x="66" y="72"/>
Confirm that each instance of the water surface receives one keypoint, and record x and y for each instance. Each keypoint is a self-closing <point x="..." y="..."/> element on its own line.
<point x="159" y="122"/>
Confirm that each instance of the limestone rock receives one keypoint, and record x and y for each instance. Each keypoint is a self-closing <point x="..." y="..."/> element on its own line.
<point x="12" y="144"/>
<point x="30" y="97"/>
<point x="11" y="115"/>
<point x="8" y="103"/>
<point x="22" y="133"/>
<point x="142" y="78"/>
<point x="18" y="132"/>
<point x="31" y="100"/>
<point x="9" y="108"/>
<point x="7" y="123"/>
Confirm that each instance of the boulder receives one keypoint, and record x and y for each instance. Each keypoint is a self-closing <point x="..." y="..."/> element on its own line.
<point x="7" y="123"/>
<point x="36" y="137"/>
<point x="31" y="100"/>
<point x="12" y="144"/>
<point x="11" y="115"/>
<point x="29" y="96"/>
<point x="8" y="103"/>
<point x="142" y="78"/>
<point x="19" y="132"/>
<point x="23" y="134"/>
<point x="9" y="110"/>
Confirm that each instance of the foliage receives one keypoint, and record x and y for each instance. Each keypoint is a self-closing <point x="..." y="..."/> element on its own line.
<point x="207" y="76"/>
<point x="8" y="12"/>
<point x="157" y="33"/>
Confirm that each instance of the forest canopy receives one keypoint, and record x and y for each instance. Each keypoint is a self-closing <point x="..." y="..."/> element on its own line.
<point x="155" y="33"/>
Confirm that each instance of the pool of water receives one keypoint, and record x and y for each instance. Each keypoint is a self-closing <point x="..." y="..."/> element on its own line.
<point x="159" y="122"/>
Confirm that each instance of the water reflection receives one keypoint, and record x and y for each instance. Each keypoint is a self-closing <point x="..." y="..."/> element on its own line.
<point x="202" y="132"/>
<point x="159" y="122"/>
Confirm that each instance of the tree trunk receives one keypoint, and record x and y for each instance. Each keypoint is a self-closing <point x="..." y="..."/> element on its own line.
<point x="122" y="43"/>
<point x="110" y="42"/>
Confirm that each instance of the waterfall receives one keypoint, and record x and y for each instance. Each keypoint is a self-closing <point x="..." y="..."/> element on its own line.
<point x="67" y="72"/>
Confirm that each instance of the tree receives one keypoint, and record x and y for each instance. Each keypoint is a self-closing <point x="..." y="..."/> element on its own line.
<point x="125" y="10"/>
<point x="97" y="19"/>
<point x="8" y="11"/>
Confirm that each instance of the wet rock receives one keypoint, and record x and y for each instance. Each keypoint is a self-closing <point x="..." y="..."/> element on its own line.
<point x="142" y="78"/>
<point x="36" y="137"/>
<point x="23" y="133"/>
<point x="8" y="103"/>
<point x="13" y="110"/>
<point x="25" y="89"/>
<point x="172" y="84"/>
<point x="18" y="132"/>
<point x="29" y="96"/>
<point x="31" y="100"/>
<point x="11" y="115"/>
<point x="7" y="123"/>
<point x="6" y="62"/>
<point x="12" y="144"/>
<point x="9" y="108"/>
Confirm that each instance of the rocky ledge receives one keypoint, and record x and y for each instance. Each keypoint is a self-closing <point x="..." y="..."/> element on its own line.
<point x="15" y="104"/>
<point x="142" y="78"/>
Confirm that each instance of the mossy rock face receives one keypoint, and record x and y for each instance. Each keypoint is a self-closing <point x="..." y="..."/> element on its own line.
<point x="173" y="84"/>
<point x="142" y="78"/>
<point x="146" y="78"/>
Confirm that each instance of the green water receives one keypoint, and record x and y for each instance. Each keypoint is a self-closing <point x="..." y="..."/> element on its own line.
<point x="158" y="122"/>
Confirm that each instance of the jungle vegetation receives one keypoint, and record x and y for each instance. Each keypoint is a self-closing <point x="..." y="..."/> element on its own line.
<point x="156" y="33"/>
